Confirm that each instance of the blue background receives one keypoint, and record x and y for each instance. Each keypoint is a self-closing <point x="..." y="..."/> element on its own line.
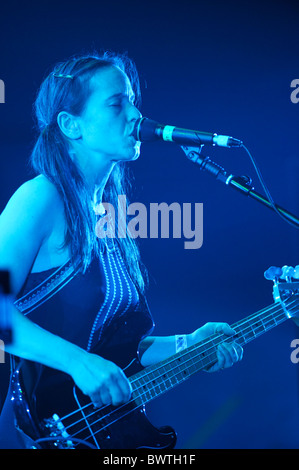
<point x="216" y="66"/>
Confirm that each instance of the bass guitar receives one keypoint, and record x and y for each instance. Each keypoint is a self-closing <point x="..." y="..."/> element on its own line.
<point x="51" y="412"/>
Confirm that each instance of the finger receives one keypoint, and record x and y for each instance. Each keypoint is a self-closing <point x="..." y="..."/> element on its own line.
<point x="221" y="356"/>
<point x="239" y="351"/>
<point x="105" y="395"/>
<point x="97" y="402"/>
<point x="101" y="397"/>
<point x="225" y="329"/>
<point x="119" y="388"/>
<point x="124" y="386"/>
<point x="120" y="393"/>
<point x="117" y="396"/>
<point x="225" y="359"/>
<point x="231" y="353"/>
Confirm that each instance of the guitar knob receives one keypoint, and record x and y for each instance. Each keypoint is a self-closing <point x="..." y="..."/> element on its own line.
<point x="287" y="272"/>
<point x="272" y="273"/>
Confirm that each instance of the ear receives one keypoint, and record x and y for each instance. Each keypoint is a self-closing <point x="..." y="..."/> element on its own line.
<point x="69" y="125"/>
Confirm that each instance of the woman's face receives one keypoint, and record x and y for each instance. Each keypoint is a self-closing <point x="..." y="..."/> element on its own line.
<point x="108" y="119"/>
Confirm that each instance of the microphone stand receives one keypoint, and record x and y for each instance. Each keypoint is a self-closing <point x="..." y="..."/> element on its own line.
<point x="242" y="184"/>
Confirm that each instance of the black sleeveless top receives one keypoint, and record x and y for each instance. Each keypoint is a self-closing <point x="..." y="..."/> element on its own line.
<point x="77" y="306"/>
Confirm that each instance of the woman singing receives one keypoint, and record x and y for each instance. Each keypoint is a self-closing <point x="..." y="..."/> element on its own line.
<point x="70" y="286"/>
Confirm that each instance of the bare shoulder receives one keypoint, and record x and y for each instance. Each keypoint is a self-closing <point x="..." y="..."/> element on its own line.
<point x="25" y="223"/>
<point x="34" y="197"/>
<point x="39" y="190"/>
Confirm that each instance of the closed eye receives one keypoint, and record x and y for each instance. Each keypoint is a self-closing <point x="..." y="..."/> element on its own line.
<point x="121" y="97"/>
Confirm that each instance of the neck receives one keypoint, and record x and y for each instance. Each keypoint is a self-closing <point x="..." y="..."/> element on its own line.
<point x="96" y="171"/>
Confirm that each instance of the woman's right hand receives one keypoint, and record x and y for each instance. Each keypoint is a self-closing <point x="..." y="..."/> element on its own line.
<point x="102" y="380"/>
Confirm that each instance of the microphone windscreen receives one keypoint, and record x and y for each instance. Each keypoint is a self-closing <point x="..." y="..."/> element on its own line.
<point x="144" y="130"/>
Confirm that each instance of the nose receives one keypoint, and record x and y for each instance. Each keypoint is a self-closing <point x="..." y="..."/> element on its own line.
<point x="133" y="112"/>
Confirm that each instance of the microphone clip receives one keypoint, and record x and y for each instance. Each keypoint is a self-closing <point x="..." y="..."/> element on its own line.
<point x="205" y="163"/>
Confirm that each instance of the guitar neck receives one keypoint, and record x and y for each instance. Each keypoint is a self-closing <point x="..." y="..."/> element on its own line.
<point x="159" y="378"/>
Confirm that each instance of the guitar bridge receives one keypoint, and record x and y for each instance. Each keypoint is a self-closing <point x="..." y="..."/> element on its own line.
<point x="57" y="433"/>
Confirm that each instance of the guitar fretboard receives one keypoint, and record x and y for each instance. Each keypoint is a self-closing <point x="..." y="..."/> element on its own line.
<point x="159" y="378"/>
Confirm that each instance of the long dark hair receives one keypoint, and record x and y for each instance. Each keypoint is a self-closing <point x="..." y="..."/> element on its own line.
<point x="67" y="88"/>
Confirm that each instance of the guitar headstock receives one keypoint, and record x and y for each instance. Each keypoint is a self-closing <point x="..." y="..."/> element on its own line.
<point x="285" y="287"/>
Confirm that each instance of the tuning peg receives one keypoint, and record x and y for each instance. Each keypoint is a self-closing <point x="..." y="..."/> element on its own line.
<point x="287" y="272"/>
<point x="296" y="272"/>
<point x="272" y="273"/>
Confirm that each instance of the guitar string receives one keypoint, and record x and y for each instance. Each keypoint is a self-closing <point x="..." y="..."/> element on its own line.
<point x="145" y="384"/>
<point x="131" y="410"/>
<point x="79" y="441"/>
<point x="182" y="355"/>
<point x="202" y="343"/>
<point x="83" y="441"/>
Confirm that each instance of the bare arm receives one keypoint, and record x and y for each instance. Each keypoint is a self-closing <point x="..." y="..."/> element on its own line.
<point x="154" y="349"/>
<point x="98" y="378"/>
<point x="25" y="223"/>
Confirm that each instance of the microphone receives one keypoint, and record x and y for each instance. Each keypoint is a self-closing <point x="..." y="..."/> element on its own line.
<point x="147" y="130"/>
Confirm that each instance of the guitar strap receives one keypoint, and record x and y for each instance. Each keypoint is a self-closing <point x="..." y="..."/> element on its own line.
<point x="48" y="287"/>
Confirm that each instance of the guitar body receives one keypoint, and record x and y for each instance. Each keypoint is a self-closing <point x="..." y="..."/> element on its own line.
<point x="43" y="397"/>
